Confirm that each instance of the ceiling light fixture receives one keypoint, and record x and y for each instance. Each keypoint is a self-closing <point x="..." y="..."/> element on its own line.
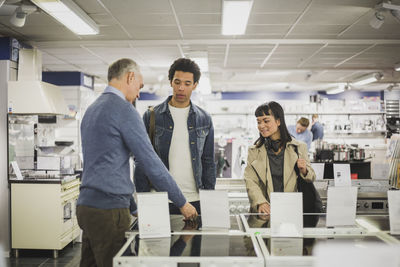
<point x="339" y="89"/>
<point x="235" y="15"/>
<point x="390" y="87"/>
<point x="377" y="20"/>
<point x="70" y="15"/>
<point x="368" y="79"/>
<point x="18" y="18"/>
<point x="397" y="67"/>
<point x="395" y="14"/>
<point x="388" y="6"/>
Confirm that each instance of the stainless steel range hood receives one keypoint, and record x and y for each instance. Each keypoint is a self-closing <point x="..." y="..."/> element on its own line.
<point x="29" y="95"/>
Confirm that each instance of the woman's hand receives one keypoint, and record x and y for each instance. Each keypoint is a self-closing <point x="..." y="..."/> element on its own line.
<point x="264" y="208"/>
<point x="302" y="165"/>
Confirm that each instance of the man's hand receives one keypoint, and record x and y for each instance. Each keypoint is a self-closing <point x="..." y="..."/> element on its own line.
<point x="188" y="211"/>
<point x="264" y="208"/>
<point x="302" y="165"/>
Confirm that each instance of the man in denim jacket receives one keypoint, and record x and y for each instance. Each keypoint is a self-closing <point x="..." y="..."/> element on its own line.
<point x="183" y="137"/>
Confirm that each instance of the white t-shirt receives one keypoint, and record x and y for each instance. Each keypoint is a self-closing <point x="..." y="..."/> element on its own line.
<point x="180" y="159"/>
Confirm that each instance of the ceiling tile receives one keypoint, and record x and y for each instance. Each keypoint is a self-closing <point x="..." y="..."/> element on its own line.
<point x="199" y="19"/>
<point x="267" y="6"/>
<point x="195" y="6"/>
<point x="90" y="6"/>
<point x="129" y="8"/>
<point x="273" y="18"/>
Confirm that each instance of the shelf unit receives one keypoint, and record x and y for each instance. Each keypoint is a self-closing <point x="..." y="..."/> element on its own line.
<point x="392" y="108"/>
<point x="337" y="113"/>
<point x="302" y="113"/>
<point x="359" y="134"/>
<point x="355" y="135"/>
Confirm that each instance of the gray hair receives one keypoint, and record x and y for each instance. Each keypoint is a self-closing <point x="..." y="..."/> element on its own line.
<point x="122" y="66"/>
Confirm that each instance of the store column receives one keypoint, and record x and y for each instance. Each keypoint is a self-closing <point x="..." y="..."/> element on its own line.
<point x="8" y="71"/>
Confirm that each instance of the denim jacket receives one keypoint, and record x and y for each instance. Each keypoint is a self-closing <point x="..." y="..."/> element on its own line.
<point x="201" y="138"/>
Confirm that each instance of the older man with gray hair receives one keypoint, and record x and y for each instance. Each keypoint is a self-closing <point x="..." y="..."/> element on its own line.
<point x="111" y="130"/>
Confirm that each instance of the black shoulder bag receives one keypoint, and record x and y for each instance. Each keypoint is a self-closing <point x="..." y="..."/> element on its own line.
<point x="311" y="200"/>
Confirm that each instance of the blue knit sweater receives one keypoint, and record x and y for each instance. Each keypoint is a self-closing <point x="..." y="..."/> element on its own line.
<point x="112" y="131"/>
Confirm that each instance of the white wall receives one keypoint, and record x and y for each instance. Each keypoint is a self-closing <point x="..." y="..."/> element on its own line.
<point x="69" y="129"/>
<point x="5" y="75"/>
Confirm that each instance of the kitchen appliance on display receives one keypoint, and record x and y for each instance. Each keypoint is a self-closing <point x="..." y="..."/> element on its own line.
<point x="33" y="145"/>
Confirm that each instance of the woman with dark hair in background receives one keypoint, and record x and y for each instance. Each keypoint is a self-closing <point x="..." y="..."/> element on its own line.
<point x="272" y="161"/>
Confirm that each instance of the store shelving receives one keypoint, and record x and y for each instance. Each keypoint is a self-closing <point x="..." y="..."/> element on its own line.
<point x="372" y="134"/>
<point x="302" y="113"/>
<point x="337" y="113"/>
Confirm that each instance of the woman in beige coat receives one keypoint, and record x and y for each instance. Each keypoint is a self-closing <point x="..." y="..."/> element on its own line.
<point x="271" y="161"/>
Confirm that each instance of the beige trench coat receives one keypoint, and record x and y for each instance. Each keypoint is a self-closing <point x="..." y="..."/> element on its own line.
<point x="258" y="174"/>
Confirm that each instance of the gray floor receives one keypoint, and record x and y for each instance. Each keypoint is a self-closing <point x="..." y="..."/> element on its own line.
<point x="68" y="257"/>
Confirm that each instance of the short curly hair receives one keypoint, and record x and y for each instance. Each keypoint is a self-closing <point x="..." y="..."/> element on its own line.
<point x="185" y="65"/>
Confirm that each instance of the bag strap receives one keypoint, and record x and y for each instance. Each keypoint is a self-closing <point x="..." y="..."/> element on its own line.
<point x="152" y="129"/>
<point x="296" y="169"/>
<point x="152" y="126"/>
<point x="295" y="150"/>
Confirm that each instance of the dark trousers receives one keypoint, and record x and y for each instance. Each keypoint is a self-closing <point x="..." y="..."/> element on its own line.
<point x="175" y="210"/>
<point x="103" y="234"/>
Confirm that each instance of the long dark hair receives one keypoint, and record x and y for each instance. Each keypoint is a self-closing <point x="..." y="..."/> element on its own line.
<point x="273" y="109"/>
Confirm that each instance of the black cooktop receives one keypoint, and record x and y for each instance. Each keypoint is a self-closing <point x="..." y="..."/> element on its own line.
<point x="189" y="245"/>
<point x="179" y="225"/>
<point x="380" y="222"/>
<point x="304" y="246"/>
<point x="263" y="221"/>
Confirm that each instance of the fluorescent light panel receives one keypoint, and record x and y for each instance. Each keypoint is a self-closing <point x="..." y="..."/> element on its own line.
<point x="337" y="90"/>
<point x="235" y="15"/>
<point x="70" y="15"/>
<point x="397" y="67"/>
<point x="367" y="79"/>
